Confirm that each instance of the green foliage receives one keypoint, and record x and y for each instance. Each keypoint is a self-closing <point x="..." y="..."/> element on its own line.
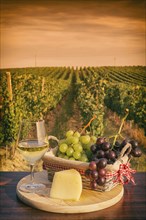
<point x="31" y="99"/>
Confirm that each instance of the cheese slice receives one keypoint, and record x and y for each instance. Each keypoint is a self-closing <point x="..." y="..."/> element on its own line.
<point x="66" y="185"/>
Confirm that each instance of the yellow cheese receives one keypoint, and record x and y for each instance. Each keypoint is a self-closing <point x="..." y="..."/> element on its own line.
<point x="66" y="185"/>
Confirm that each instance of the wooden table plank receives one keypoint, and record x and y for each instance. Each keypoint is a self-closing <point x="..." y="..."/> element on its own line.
<point x="131" y="206"/>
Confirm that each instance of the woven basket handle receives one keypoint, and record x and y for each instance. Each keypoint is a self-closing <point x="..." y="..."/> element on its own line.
<point x="127" y="148"/>
<point x="51" y="137"/>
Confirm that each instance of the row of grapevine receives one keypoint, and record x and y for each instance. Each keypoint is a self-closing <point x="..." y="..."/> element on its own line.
<point x="33" y="97"/>
<point x="90" y="98"/>
<point x="135" y="75"/>
<point x="132" y="97"/>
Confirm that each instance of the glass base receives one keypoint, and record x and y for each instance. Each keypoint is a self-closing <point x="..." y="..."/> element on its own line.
<point x="32" y="187"/>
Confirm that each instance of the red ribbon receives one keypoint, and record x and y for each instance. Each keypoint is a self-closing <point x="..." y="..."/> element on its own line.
<point x="124" y="174"/>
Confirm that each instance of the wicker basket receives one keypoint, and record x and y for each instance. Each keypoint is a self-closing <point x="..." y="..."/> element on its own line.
<point x="117" y="173"/>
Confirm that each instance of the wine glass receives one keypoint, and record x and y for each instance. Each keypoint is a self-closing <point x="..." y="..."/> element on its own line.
<point x="32" y="144"/>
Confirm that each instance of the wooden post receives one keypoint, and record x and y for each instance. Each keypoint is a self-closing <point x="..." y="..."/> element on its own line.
<point x="9" y="83"/>
<point x="9" y="87"/>
<point x="43" y="83"/>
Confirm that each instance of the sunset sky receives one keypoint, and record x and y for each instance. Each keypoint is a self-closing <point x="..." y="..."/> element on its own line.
<point x="72" y="33"/>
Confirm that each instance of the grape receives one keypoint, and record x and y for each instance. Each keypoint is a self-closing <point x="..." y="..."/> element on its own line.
<point x="85" y="139"/>
<point x="102" y="163"/>
<point x="117" y="145"/>
<point x="105" y="146"/>
<point x="78" y="147"/>
<point x="71" y="158"/>
<point x="111" y="155"/>
<point x="75" y="140"/>
<point x="76" y="155"/>
<point x="100" y="154"/>
<point x="93" y="138"/>
<point x="134" y="143"/>
<point x="98" y="147"/>
<point x="94" y="158"/>
<point x="136" y="152"/>
<point x="100" y="140"/>
<point x="94" y="174"/>
<point x="92" y="165"/>
<point x="69" y="140"/>
<point x="93" y="148"/>
<point x="101" y="172"/>
<point x="101" y="180"/>
<point x="69" y="133"/>
<point x="106" y="154"/>
<point x="63" y="148"/>
<point x="83" y="158"/>
<point x="93" y="184"/>
<point x="69" y="151"/>
<point x="76" y="134"/>
<point x="88" y="173"/>
<point x="72" y="140"/>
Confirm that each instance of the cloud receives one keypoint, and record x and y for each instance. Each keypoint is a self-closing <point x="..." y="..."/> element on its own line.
<point x="63" y="29"/>
<point x="12" y="9"/>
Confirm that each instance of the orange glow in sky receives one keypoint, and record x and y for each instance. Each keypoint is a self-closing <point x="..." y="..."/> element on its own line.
<point x="72" y="33"/>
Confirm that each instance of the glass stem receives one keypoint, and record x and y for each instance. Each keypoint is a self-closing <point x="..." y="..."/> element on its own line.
<point x="32" y="172"/>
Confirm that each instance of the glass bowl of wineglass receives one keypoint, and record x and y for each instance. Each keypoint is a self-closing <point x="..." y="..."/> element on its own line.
<point x="32" y="144"/>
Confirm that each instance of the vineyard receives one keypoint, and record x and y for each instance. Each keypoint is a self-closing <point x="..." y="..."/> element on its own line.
<point x="57" y="94"/>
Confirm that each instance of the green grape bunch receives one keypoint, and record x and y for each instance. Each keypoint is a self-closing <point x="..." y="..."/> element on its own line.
<point x="76" y="146"/>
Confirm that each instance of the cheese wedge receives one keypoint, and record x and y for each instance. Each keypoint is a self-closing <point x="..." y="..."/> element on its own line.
<point x="66" y="185"/>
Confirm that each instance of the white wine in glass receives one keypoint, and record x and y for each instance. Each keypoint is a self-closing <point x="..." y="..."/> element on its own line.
<point x="32" y="144"/>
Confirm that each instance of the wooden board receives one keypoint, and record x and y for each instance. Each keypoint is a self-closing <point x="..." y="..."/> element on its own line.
<point x="90" y="200"/>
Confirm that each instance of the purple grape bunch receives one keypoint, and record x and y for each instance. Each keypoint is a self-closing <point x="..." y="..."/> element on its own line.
<point x="104" y="153"/>
<point x="104" y="149"/>
<point x="96" y="173"/>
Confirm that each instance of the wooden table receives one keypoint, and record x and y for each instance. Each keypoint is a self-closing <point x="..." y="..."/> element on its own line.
<point x="132" y="206"/>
